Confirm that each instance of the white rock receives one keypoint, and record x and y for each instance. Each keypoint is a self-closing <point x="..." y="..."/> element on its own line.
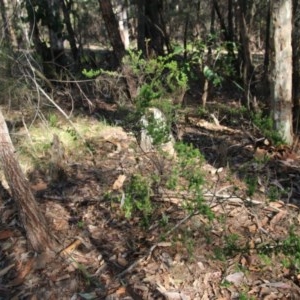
<point x="146" y="140"/>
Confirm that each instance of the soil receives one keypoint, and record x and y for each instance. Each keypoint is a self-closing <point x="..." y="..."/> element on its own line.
<point x="242" y="253"/>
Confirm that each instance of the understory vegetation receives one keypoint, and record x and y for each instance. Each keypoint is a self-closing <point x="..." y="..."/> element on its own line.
<point x="160" y="172"/>
<point x="180" y="178"/>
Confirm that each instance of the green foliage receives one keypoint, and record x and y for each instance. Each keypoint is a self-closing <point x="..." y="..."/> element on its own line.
<point x="265" y="259"/>
<point x="266" y="125"/>
<point x="159" y="77"/>
<point x="95" y="73"/>
<point x="188" y="167"/>
<point x="212" y="76"/>
<point x="289" y="247"/>
<point x="230" y="247"/>
<point x="137" y="198"/>
<point x="91" y="73"/>
<point x="251" y="182"/>
<point x="230" y="115"/>
<point x="53" y="120"/>
<point x="80" y="224"/>
<point x="244" y="296"/>
<point x="73" y="133"/>
<point x="274" y="193"/>
<point x="186" y="174"/>
<point x="213" y="61"/>
<point x="164" y="221"/>
<point x="158" y="130"/>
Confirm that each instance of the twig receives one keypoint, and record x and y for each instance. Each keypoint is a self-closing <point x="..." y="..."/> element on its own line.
<point x="150" y="251"/>
<point x="42" y="91"/>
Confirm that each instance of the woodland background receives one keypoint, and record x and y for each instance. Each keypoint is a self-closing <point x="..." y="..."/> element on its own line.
<point x="210" y="209"/>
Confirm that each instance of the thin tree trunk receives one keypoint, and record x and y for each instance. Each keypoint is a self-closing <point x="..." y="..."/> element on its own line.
<point x="185" y="35"/>
<point x="227" y="35"/>
<point x="6" y="27"/>
<point x="248" y="69"/>
<point x="206" y="85"/>
<point x="123" y="23"/>
<point x="221" y="19"/>
<point x="141" y="27"/>
<point x="266" y="75"/>
<point x="296" y="63"/>
<point x="31" y="218"/>
<point x="230" y="21"/>
<point x="54" y="23"/>
<point x="34" y="36"/>
<point x="72" y="40"/>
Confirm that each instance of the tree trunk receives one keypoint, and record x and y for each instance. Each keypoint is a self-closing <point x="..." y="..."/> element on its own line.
<point x="281" y="67"/>
<point x="230" y="20"/>
<point x="40" y="47"/>
<point x="30" y="216"/>
<point x="206" y="85"/>
<point x="154" y="30"/>
<point x="5" y="24"/>
<point x="228" y="36"/>
<point x="246" y="58"/>
<point x="141" y="27"/>
<point x="123" y="23"/>
<point x="112" y="28"/>
<point x="266" y="75"/>
<point x="55" y="27"/>
<point x="66" y="8"/>
<point x="152" y="33"/>
<point x="296" y="62"/>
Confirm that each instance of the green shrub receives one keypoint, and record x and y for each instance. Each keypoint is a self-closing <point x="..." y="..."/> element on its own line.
<point x="266" y="125"/>
<point x="188" y="167"/>
<point x="159" y="78"/>
<point x="137" y="198"/>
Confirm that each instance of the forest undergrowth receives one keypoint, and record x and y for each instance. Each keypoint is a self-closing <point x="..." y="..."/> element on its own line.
<point x="219" y="219"/>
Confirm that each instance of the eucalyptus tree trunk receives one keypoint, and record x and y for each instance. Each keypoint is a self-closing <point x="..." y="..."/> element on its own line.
<point x="123" y="23"/>
<point x="112" y="28"/>
<point x="30" y="216"/>
<point x="281" y="67"/>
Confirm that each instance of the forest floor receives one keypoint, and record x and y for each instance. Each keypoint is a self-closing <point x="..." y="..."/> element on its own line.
<point x="250" y="250"/>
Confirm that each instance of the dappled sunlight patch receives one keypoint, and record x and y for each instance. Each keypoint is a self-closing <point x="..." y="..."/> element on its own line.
<point x="34" y="146"/>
